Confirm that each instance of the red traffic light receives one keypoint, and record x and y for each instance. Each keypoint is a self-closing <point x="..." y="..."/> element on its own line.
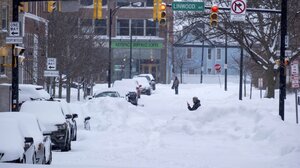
<point x="215" y="8"/>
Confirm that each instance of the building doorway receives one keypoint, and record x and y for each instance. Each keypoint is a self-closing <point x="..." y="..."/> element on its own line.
<point x="150" y="69"/>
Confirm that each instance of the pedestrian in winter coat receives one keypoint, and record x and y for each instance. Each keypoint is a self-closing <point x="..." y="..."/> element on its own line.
<point x="196" y="102"/>
<point x="175" y="85"/>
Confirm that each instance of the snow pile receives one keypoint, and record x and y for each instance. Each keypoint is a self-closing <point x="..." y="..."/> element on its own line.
<point x="223" y="131"/>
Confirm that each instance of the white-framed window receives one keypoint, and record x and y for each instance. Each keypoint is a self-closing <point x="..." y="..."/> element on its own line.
<point x="209" y="54"/>
<point x="189" y="53"/>
<point x="219" y="53"/>
<point x="4" y="17"/>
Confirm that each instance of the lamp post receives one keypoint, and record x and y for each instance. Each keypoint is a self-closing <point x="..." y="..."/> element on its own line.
<point x="130" y="56"/>
<point x="112" y="12"/>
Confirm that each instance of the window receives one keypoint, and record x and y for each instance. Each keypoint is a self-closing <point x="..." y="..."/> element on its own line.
<point x="86" y="26"/>
<point x="209" y="70"/>
<point x="137" y="27"/>
<point x="100" y="27"/>
<point x="4" y="17"/>
<point x="219" y="53"/>
<point x="122" y="3"/>
<point x="149" y="3"/>
<point x="209" y="54"/>
<point x="150" y="28"/>
<point x="191" y="71"/>
<point x="123" y="27"/>
<point x="189" y="53"/>
<point x="2" y="69"/>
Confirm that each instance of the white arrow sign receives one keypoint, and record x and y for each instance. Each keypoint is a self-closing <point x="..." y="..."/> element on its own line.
<point x="51" y="63"/>
<point x="14" y="29"/>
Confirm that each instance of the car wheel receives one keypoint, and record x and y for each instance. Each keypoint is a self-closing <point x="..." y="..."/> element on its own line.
<point x="23" y="160"/>
<point x="50" y="159"/>
<point x="34" y="159"/>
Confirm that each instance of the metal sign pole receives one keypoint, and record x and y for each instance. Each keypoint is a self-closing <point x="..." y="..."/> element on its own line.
<point x="296" y="100"/>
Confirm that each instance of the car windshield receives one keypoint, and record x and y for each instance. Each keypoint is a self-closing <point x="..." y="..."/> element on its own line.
<point x="107" y="94"/>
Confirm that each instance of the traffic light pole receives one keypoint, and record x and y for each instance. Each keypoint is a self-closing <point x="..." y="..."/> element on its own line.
<point x="282" y="81"/>
<point x="15" y="66"/>
<point x="109" y="49"/>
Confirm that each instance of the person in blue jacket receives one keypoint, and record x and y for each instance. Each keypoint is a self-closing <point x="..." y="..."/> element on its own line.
<point x="196" y="104"/>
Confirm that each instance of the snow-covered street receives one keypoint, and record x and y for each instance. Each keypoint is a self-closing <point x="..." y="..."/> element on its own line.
<point x="223" y="133"/>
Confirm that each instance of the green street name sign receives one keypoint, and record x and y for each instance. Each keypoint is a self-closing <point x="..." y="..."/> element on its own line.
<point x="137" y="44"/>
<point x="188" y="6"/>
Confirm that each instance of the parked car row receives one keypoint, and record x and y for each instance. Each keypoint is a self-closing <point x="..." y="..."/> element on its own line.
<point x="30" y="135"/>
<point x="131" y="89"/>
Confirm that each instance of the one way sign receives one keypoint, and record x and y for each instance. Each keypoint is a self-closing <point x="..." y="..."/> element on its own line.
<point x="14" y="29"/>
<point x="51" y="63"/>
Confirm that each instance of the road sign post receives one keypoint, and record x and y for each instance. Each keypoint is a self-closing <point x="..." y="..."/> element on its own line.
<point x="188" y="6"/>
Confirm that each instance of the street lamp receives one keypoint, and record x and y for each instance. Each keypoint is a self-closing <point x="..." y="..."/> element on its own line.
<point x="112" y="12"/>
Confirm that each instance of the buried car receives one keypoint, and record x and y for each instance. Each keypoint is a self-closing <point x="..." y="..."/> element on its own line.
<point x="14" y="146"/>
<point x="30" y="127"/>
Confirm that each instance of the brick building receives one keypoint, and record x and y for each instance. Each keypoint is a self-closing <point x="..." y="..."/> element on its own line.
<point x="132" y="23"/>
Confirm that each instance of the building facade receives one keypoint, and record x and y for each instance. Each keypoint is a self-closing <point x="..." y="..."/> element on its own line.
<point x="134" y="35"/>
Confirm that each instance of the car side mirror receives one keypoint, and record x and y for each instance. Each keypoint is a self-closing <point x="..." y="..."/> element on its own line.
<point x="87" y="118"/>
<point x="75" y="115"/>
<point x="47" y="133"/>
<point x="69" y="116"/>
<point x="28" y="140"/>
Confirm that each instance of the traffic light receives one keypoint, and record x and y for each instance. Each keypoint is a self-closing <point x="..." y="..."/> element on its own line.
<point x="214" y="16"/>
<point x="97" y="9"/>
<point x="162" y="15"/>
<point x="52" y="6"/>
<point x="23" y="7"/>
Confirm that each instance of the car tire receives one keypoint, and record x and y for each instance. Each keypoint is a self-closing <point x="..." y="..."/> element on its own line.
<point x="67" y="146"/>
<point x="34" y="159"/>
<point x="50" y="159"/>
<point x="44" y="159"/>
<point x="23" y="160"/>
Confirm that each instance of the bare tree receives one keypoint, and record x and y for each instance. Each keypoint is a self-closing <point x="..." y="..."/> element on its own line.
<point x="80" y="55"/>
<point x="259" y="34"/>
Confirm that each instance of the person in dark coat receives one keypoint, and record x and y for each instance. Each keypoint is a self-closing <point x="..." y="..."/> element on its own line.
<point x="196" y="104"/>
<point x="175" y="85"/>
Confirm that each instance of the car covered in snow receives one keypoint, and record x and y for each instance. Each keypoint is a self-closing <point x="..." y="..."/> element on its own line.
<point x="31" y="127"/>
<point x="15" y="147"/>
<point x="32" y="92"/>
<point x="128" y="88"/>
<point x="72" y="121"/>
<point x="150" y="79"/>
<point x="53" y="118"/>
<point x="144" y="85"/>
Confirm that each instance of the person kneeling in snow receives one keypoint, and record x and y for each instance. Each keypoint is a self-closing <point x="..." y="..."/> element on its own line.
<point x="196" y="104"/>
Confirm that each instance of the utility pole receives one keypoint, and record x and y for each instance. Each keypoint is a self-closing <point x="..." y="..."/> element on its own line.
<point x="109" y="48"/>
<point x="282" y="85"/>
<point x="15" y="65"/>
<point x="241" y="75"/>
<point x="225" y="63"/>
